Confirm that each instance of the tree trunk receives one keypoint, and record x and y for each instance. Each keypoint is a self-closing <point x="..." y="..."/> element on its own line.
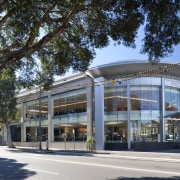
<point x="9" y="140"/>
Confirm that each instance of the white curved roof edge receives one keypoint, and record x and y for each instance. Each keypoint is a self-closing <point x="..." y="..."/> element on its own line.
<point x="84" y="74"/>
<point x="69" y="78"/>
<point x="132" y="61"/>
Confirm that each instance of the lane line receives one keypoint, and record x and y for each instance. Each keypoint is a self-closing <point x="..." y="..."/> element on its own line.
<point x="39" y="170"/>
<point x="102" y="165"/>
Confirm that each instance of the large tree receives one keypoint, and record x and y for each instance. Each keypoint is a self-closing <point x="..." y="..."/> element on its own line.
<point x="8" y="103"/>
<point x="65" y="33"/>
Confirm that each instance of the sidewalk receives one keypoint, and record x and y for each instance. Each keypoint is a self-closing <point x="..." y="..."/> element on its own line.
<point x="163" y="155"/>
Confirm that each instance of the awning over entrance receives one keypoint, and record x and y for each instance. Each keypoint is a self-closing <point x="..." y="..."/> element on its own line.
<point x="173" y="116"/>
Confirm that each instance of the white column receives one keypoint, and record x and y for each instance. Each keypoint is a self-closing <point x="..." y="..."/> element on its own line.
<point x="128" y="115"/>
<point x="90" y="111"/>
<point x="23" y="131"/>
<point x="162" y="113"/>
<point x="99" y="114"/>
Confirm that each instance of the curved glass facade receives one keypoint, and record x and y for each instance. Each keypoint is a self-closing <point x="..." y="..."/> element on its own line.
<point x="144" y="113"/>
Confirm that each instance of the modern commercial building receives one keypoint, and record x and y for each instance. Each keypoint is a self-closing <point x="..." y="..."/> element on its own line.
<point x="124" y="105"/>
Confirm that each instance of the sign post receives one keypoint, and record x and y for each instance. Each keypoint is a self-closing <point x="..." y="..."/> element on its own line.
<point x="74" y="138"/>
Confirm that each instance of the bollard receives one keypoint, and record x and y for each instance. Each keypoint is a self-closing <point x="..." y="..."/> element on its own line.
<point x="47" y="144"/>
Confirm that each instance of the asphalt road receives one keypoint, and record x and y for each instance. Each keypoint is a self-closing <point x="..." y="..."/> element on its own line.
<point x="18" y="165"/>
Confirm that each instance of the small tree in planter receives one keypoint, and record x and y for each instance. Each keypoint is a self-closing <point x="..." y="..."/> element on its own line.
<point x="90" y="144"/>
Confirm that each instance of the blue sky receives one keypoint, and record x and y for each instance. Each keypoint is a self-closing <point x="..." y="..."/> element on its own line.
<point x="120" y="53"/>
<point x="114" y="53"/>
<point x="117" y="53"/>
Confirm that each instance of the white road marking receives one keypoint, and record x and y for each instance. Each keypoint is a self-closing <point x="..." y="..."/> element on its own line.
<point x="39" y="170"/>
<point x="35" y="155"/>
<point x="100" y="165"/>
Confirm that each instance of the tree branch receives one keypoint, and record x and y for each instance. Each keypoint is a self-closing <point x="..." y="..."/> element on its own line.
<point x="25" y="51"/>
<point x="5" y="17"/>
<point x="8" y="48"/>
<point x="34" y="30"/>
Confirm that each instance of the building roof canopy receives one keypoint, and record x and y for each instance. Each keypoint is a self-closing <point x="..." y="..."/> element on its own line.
<point x="123" y="68"/>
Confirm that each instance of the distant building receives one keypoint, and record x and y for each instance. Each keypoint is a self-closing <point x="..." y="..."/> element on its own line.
<point x="121" y="104"/>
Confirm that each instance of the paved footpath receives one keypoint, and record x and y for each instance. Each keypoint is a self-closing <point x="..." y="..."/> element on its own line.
<point x="172" y="155"/>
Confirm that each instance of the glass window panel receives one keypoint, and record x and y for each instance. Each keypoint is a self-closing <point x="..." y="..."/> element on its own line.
<point x="145" y="98"/>
<point x="82" y="104"/>
<point x="32" y="109"/>
<point x="172" y="100"/>
<point x="115" y="103"/>
<point x="116" y="131"/>
<point x="171" y="130"/>
<point x="56" y="106"/>
<point x="115" y="99"/>
<point x="18" y="113"/>
<point x="145" y="106"/>
<point x="32" y="133"/>
<point x="63" y="105"/>
<point x="44" y="108"/>
<point x="71" y="107"/>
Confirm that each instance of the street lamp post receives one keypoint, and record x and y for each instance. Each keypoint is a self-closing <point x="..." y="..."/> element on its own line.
<point x="39" y="77"/>
<point x="40" y="132"/>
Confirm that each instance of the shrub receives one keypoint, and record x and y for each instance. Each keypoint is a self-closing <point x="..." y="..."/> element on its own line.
<point x="90" y="143"/>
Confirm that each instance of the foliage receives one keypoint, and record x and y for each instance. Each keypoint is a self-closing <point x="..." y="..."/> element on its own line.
<point x="34" y="75"/>
<point x="64" y="34"/>
<point x="90" y="143"/>
<point x="7" y="101"/>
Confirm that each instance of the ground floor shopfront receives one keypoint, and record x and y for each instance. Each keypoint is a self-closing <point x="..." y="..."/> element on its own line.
<point x="119" y="112"/>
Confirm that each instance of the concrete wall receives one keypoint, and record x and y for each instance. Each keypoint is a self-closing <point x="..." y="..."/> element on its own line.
<point x="153" y="146"/>
<point x="53" y="145"/>
<point x="0" y="140"/>
<point x="142" y="146"/>
<point x="116" y="146"/>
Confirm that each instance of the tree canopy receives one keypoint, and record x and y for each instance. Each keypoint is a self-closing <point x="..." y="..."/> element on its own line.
<point x="64" y="34"/>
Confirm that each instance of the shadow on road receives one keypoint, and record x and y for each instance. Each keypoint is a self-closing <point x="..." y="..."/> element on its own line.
<point x="11" y="169"/>
<point x="147" y="178"/>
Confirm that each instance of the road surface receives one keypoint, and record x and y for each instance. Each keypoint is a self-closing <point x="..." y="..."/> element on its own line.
<point x="18" y="165"/>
